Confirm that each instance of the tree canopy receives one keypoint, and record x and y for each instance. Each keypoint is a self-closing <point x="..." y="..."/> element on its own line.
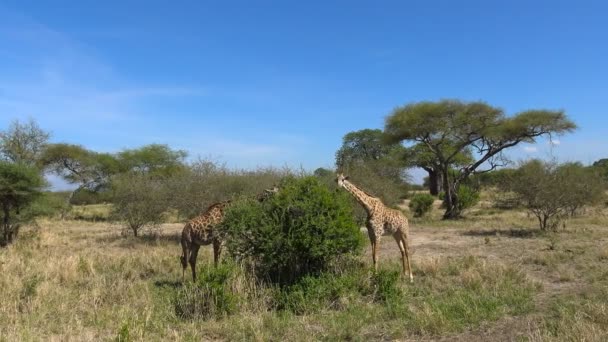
<point x="23" y="142"/>
<point x="154" y="159"/>
<point x="477" y="126"/>
<point x="602" y="168"/>
<point x="365" y="145"/>
<point x="77" y="165"/>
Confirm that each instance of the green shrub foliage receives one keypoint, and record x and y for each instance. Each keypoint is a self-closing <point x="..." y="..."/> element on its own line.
<point x="210" y="297"/>
<point x="297" y="232"/>
<point x="420" y="204"/>
<point x="20" y="186"/>
<point x="333" y="291"/>
<point x="467" y="197"/>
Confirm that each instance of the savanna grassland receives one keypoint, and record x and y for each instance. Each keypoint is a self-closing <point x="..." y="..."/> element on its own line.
<point x="489" y="277"/>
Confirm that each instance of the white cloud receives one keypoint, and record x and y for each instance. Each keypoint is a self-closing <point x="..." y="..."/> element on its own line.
<point x="530" y="149"/>
<point x="554" y="142"/>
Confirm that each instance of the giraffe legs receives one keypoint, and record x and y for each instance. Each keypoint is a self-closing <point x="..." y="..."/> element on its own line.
<point x="193" y="255"/>
<point x="374" y="240"/>
<point x="217" y="251"/>
<point x="375" y="243"/>
<point x="402" y="243"/>
<point x="184" y="258"/>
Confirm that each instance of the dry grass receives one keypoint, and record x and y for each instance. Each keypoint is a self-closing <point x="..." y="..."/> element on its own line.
<point x="75" y="280"/>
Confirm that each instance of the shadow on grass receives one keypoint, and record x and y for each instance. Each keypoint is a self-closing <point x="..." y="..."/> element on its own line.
<point x="173" y="284"/>
<point x="514" y="233"/>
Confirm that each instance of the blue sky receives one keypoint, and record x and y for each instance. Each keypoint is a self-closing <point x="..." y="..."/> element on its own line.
<point x="256" y="83"/>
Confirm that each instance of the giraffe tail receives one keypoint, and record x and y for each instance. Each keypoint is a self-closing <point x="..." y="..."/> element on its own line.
<point x="184" y="257"/>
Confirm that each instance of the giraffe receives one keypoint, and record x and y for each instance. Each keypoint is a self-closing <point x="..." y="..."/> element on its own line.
<point x="381" y="219"/>
<point x="199" y="231"/>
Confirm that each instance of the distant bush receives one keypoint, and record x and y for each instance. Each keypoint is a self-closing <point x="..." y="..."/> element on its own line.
<point x="206" y="182"/>
<point x="553" y="192"/>
<point x="86" y="197"/>
<point x="297" y="232"/>
<point x="139" y="200"/>
<point x="420" y="204"/>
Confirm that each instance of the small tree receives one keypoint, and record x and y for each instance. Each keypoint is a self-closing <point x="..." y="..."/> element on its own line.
<point x="20" y="185"/>
<point x="297" y="232"/>
<point x="552" y="192"/>
<point x="138" y="200"/>
<point x="23" y="143"/>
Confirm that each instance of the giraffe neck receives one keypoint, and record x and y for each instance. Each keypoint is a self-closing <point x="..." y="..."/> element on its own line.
<point x="366" y="200"/>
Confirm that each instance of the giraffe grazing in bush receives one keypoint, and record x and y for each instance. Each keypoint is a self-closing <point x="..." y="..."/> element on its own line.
<point x="381" y="219"/>
<point x="199" y="231"/>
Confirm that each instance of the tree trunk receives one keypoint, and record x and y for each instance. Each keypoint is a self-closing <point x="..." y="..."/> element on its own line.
<point x="6" y="235"/>
<point x="68" y="203"/>
<point x="433" y="182"/>
<point x="452" y="210"/>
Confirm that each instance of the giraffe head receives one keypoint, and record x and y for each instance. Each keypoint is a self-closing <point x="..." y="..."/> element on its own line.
<point x="340" y="179"/>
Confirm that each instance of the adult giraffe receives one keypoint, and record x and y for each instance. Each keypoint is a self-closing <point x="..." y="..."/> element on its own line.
<point x="199" y="231"/>
<point x="381" y="219"/>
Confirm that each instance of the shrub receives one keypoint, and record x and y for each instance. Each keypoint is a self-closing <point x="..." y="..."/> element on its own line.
<point x="210" y="297"/>
<point x="206" y="182"/>
<point x="333" y="290"/>
<point x="138" y="200"/>
<point x="467" y="197"/>
<point x="421" y="204"/>
<point x="298" y="232"/>
<point x="552" y="192"/>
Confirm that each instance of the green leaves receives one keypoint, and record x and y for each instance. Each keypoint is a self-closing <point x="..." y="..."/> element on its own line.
<point x="298" y="231"/>
<point x="23" y="143"/>
<point x="20" y="185"/>
<point x="153" y="158"/>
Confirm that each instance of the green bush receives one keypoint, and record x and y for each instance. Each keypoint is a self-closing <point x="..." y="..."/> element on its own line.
<point x="86" y="197"/>
<point x="467" y="197"/>
<point x="421" y="204"/>
<point x="341" y="290"/>
<point x="210" y="297"/>
<point x="297" y="232"/>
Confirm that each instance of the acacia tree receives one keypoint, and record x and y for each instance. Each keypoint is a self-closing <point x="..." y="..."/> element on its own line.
<point x="77" y="165"/>
<point x="152" y="159"/>
<point x="20" y="185"/>
<point x="23" y="142"/>
<point x="477" y="126"/>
